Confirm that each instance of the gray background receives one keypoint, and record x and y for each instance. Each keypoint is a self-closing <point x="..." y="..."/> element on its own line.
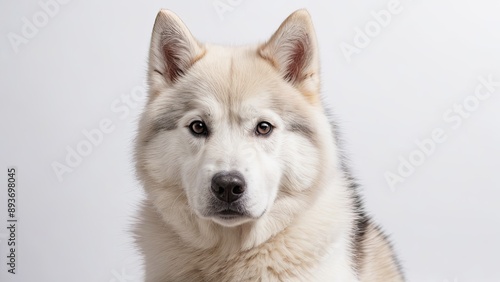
<point x="87" y="61"/>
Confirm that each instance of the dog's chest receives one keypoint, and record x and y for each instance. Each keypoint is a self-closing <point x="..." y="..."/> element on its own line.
<point x="279" y="262"/>
<point x="259" y="265"/>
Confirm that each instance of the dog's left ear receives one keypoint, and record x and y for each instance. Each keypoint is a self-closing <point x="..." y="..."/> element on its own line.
<point x="293" y="51"/>
<point x="173" y="49"/>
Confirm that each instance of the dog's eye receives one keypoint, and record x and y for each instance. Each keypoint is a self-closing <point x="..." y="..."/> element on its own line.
<point x="198" y="127"/>
<point x="264" y="128"/>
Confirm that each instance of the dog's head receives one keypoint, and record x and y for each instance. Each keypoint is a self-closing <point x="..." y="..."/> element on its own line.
<point x="228" y="131"/>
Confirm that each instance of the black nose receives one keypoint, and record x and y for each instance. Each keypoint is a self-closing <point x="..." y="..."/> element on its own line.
<point x="228" y="186"/>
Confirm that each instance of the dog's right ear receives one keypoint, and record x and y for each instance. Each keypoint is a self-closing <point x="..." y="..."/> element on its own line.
<point x="173" y="49"/>
<point x="293" y="51"/>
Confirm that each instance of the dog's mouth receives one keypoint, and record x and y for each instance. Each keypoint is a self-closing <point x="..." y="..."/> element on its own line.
<point x="230" y="213"/>
<point x="231" y="217"/>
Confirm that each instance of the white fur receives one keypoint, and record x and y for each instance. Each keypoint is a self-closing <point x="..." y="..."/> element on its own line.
<point x="301" y="210"/>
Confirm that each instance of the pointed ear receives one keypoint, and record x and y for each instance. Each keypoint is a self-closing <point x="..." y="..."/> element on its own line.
<point x="173" y="49"/>
<point x="292" y="50"/>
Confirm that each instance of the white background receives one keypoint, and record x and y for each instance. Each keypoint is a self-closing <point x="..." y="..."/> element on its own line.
<point x="443" y="219"/>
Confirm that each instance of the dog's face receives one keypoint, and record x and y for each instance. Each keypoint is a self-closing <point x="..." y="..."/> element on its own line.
<point x="232" y="127"/>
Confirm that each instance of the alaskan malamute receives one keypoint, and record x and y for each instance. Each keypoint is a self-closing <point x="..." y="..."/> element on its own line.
<point x="241" y="166"/>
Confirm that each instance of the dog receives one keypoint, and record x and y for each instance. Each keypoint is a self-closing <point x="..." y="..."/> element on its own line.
<point x="241" y="166"/>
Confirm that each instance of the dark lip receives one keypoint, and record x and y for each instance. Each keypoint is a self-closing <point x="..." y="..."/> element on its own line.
<point x="229" y="213"/>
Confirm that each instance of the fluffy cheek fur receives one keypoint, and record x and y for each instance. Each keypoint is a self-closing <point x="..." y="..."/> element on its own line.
<point x="160" y="154"/>
<point x="301" y="164"/>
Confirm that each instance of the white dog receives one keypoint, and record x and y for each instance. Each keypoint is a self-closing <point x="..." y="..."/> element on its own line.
<point x="241" y="166"/>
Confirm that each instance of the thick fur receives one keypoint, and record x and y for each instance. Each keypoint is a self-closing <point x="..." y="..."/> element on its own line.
<point x="302" y="219"/>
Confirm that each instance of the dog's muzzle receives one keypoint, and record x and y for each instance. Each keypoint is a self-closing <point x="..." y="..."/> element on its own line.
<point x="228" y="190"/>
